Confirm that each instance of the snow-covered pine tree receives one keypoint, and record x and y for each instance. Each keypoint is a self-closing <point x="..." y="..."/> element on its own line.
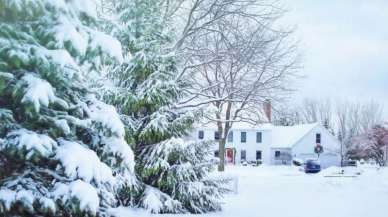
<point x="62" y="151"/>
<point x="174" y="172"/>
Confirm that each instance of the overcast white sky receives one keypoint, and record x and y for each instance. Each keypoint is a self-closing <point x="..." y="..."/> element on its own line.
<point x="344" y="44"/>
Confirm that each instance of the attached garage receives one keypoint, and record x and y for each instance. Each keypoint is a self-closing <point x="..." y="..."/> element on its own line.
<point x="303" y="140"/>
<point x="330" y="159"/>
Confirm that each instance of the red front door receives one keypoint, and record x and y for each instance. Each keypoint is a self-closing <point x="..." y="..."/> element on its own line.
<point x="229" y="156"/>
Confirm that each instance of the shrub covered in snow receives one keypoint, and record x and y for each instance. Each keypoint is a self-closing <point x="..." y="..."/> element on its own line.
<point x="62" y="151"/>
<point x="172" y="171"/>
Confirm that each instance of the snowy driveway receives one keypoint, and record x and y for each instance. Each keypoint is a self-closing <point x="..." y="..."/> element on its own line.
<point x="286" y="192"/>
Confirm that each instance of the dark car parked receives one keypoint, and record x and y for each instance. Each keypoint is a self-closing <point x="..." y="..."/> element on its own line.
<point x="312" y="166"/>
<point x="351" y="163"/>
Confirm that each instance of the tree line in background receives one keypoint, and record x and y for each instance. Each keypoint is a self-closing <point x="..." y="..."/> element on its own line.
<point x="95" y="97"/>
<point x="359" y="127"/>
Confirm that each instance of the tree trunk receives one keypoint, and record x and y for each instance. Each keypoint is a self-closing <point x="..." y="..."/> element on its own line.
<point x="342" y="154"/>
<point x="386" y="155"/>
<point x="221" y="151"/>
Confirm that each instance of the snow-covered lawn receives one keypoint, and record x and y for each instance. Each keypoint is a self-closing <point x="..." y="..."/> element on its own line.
<point x="281" y="191"/>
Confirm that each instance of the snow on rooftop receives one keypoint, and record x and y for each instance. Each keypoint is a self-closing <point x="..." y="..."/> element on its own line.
<point x="282" y="136"/>
<point x="237" y="126"/>
<point x="287" y="136"/>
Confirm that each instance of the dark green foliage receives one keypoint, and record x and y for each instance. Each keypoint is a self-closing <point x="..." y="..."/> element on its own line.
<point x="48" y="50"/>
<point x="172" y="170"/>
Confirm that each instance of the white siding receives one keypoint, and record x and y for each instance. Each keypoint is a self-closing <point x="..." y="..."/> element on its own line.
<point x="304" y="149"/>
<point x="250" y="146"/>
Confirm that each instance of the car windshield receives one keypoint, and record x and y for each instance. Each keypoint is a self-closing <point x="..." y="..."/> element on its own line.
<point x="312" y="162"/>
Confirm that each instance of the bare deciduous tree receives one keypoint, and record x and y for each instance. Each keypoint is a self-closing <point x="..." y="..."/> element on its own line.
<point x="373" y="144"/>
<point x="237" y="65"/>
<point x="353" y="120"/>
<point x="286" y="115"/>
<point x="308" y="111"/>
<point x="317" y="111"/>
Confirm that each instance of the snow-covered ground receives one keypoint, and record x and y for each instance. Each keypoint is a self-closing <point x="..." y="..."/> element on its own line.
<point x="282" y="191"/>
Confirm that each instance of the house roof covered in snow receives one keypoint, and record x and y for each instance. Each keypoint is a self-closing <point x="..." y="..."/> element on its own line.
<point x="238" y="126"/>
<point x="288" y="136"/>
<point x="282" y="136"/>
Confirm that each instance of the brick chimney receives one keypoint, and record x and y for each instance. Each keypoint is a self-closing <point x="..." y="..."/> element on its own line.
<point x="268" y="110"/>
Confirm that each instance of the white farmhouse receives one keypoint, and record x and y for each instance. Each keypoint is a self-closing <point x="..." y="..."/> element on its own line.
<point x="275" y="145"/>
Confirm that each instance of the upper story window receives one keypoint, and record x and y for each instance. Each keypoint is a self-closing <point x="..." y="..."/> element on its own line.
<point x="318" y="138"/>
<point x="230" y="136"/>
<point x="201" y="134"/>
<point x="243" y="137"/>
<point x="216" y="135"/>
<point x="259" y="137"/>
